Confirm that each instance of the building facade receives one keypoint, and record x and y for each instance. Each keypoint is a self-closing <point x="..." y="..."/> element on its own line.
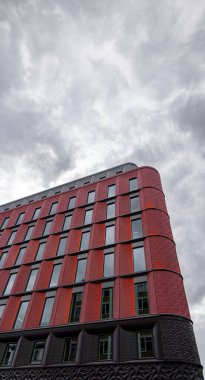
<point x="90" y="285"/>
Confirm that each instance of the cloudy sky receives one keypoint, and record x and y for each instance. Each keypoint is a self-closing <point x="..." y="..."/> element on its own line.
<point x="89" y="84"/>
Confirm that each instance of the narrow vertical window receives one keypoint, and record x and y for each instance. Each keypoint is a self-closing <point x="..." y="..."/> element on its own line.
<point x="40" y="251"/>
<point x="84" y="244"/>
<point x="137" y="229"/>
<point x="3" y="258"/>
<point x="91" y="197"/>
<point x="21" y="315"/>
<point x="48" y="307"/>
<point x="55" y="275"/>
<point x="71" y="203"/>
<point x="36" y="213"/>
<point x="134" y="204"/>
<point x="70" y="350"/>
<point x="139" y="259"/>
<point x="110" y="210"/>
<point x="80" y="272"/>
<point x="67" y="222"/>
<point x="9" y="354"/>
<point x="111" y="191"/>
<point x="145" y="345"/>
<point x="12" y="237"/>
<point x="4" y="224"/>
<point x="142" y="301"/>
<point x="20" y="218"/>
<point x="105" y="347"/>
<point x="29" y="233"/>
<point x="107" y="303"/>
<point x="75" y="307"/>
<point x="2" y="307"/>
<point x="38" y="352"/>
<point x="110" y="235"/>
<point x="32" y="279"/>
<point x="61" y="246"/>
<point x="108" y="265"/>
<point x="10" y="283"/>
<point x="88" y="216"/>
<point x="47" y="227"/>
<point x="53" y="208"/>
<point x="133" y="184"/>
<point x="20" y="256"/>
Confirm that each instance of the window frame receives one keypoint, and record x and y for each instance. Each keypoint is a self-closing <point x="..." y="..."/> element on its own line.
<point x="4" y="223"/>
<point x="33" y="352"/>
<point x="110" y="347"/>
<point x="13" y="357"/>
<point x="110" y="303"/>
<point x="11" y="274"/>
<point x="139" y="310"/>
<point x="69" y="339"/>
<point x="44" y="307"/>
<point x="17" y="315"/>
<point x="93" y="198"/>
<point x="109" y="190"/>
<point x="31" y="270"/>
<point x="146" y="334"/>
<point x="72" y="312"/>
<point x="20" y="218"/>
<point x="70" y="205"/>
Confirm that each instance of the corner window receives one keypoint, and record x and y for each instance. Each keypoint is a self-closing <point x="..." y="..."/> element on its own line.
<point x="110" y="235"/>
<point x="139" y="259"/>
<point x="107" y="303"/>
<point x="71" y="203"/>
<point x="55" y="275"/>
<point x="105" y="347"/>
<point x="88" y="216"/>
<point x="48" y="307"/>
<point x="53" y="208"/>
<point x="111" y="191"/>
<point x="76" y="307"/>
<point x="145" y="345"/>
<point x="108" y="265"/>
<point x="47" y="227"/>
<point x="4" y="224"/>
<point x="91" y="197"/>
<point x="36" y="213"/>
<point x="21" y="315"/>
<point x="9" y="354"/>
<point x="134" y="204"/>
<point x="20" y="255"/>
<point x="40" y="251"/>
<point x="141" y="296"/>
<point x="29" y="233"/>
<point x="80" y="272"/>
<point x="38" y="352"/>
<point x="133" y="184"/>
<point x="110" y="210"/>
<point x="61" y="246"/>
<point x="137" y="229"/>
<point x="84" y="244"/>
<point x="70" y="350"/>
<point x="10" y="283"/>
<point x="12" y="237"/>
<point x="20" y="218"/>
<point x="32" y="279"/>
<point x="67" y="222"/>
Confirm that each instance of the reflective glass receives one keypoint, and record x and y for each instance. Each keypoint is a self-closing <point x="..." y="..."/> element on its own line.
<point x="80" y="273"/>
<point x="108" y="265"/>
<point x="21" y="315"/>
<point x="48" y="307"/>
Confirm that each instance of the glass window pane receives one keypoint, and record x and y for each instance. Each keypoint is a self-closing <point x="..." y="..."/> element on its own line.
<point x="55" y="275"/>
<point x="137" y="229"/>
<point x="40" y="251"/>
<point x="71" y="203"/>
<point x="11" y="238"/>
<point x="36" y="213"/>
<point x="47" y="227"/>
<point x="45" y="320"/>
<point x="111" y="210"/>
<point x="70" y="350"/>
<point x="105" y="347"/>
<point x="2" y="307"/>
<point x="85" y="240"/>
<point x="20" y="256"/>
<point x="61" y="246"/>
<point x="67" y="222"/>
<point x="108" y="265"/>
<point x="111" y="191"/>
<point x="10" y="283"/>
<point x="142" y="301"/>
<point x="146" y="349"/>
<point x="9" y="354"/>
<point x="91" y="197"/>
<point x="21" y="315"/>
<point x="4" y="224"/>
<point x="134" y="204"/>
<point x="75" y="307"/>
<point x="38" y="351"/>
<point x="110" y="235"/>
<point x="80" y="273"/>
<point x="31" y="280"/>
<point x="139" y="259"/>
<point x="88" y="216"/>
<point x="107" y="303"/>
<point x="133" y="184"/>
<point x="53" y="208"/>
<point x="3" y="258"/>
<point x="20" y="218"/>
<point x="29" y="233"/>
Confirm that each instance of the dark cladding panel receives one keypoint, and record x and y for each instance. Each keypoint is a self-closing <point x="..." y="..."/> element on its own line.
<point x="24" y="352"/>
<point x="128" y="345"/>
<point x="90" y="348"/>
<point x="55" y="351"/>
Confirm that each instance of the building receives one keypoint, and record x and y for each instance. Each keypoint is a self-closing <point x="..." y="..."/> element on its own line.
<point x="90" y="285"/>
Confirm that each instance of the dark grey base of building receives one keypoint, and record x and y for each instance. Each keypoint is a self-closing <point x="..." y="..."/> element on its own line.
<point x="142" y="371"/>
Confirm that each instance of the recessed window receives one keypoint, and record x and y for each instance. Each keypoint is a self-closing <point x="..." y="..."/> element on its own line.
<point x="141" y="296"/>
<point x="110" y="210"/>
<point x="47" y="228"/>
<point x="61" y="246"/>
<point x="21" y="315"/>
<point x="108" y="265"/>
<point x="3" y="258"/>
<point x="84" y="244"/>
<point x="10" y="283"/>
<point x="111" y="191"/>
<point x="110" y="235"/>
<point x="145" y="345"/>
<point x="55" y="275"/>
<point x="20" y="218"/>
<point x="40" y="251"/>
<point x="67" y="222"/>
<point x="2" y="307"/>
<point x="36" y="213"/>
<point x="75" y="307"/>
<point x="48" y="307"/>
<point x="4" y="224"/>
<point x="71" y="203"/>
<point x="38" y="352"/>
<point x="91" y="197"/>
<point x="20" y="255"/>
<point x="105" y="347"/>
<point x="70" y="350"/>
<point x="29" y="233"/>
<point x="134" y="204"/>
<point x="80" y="272"/>
<point x="133" y="184"/>
<point x="139" y="259"/>
<point x="137" y="229"/>
<point x="9" y="354"/>
<point x="12" y="237"/>
<point x="88" y="216"/>
<point x="107" y="303"/>
<point x="32" y="279"/>
<point x="53" y="208"/>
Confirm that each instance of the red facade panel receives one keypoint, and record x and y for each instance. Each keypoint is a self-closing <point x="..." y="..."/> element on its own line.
<point x="44" y="275"/>
<point x="21" y="279"/>
<point x="10" y="312"/>
<point x="156" y="222"/>
<point x="34" y="311"/>
<point x="154" y="198"/>
<point x="126" y="298"/>
<point x="61" y="307"/>
<point x="91" y="303"/>
<point x="95" y="265"/>
<point x="68" y="270"/>
<point x="163" y="254"/>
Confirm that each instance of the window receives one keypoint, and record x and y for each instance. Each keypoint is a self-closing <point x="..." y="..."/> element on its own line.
<point x="11" y="238"/>
<point x="47" y="227"/>
<point x="141" y="295"/>
<point x="20" y="255"/>
<point x="133" y="184"/>
<point x="145" y="344"/>
<point x="2" y="307"/>
<point x="84" y="244"/>
<point x="111" y="210"/>
<point x="10" y="283"/>
<point x="134" y="204"/>
<point x="3" y="258"/>
<point x="61" y="246"/>
<point x="91" y="197"/>
<point x="4" y="224"/>
<point x="29" y="233"/>
<point x="137" y="229"/>
<point x="53" y="208"/>
<point x="20" y="218"/>
<point x="107" y="303"/>
<point x="139" y="259"/>
<point x="40" y="251"/>
<point x="46" y="316"/>
<point x="80" y="272"/>
<point x="32" y="279"/>
<point x="71" y="203"/>
<point x="70" y="349"/>
<point x="111" y="191"/>
<point x="88" y="216"/>
<point x="108" y="265"/>
<point x="76" y="307"/>
<point x="21" y="315"/>
<point x="38" y="352"/>
<point x="67" y="222"/>
<point x="9" y="354"/>
<point x="36" y="213"/>
<point x="55" y="275"/>
<point x="110" y="235"/>
<point x="105" y="347"/>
